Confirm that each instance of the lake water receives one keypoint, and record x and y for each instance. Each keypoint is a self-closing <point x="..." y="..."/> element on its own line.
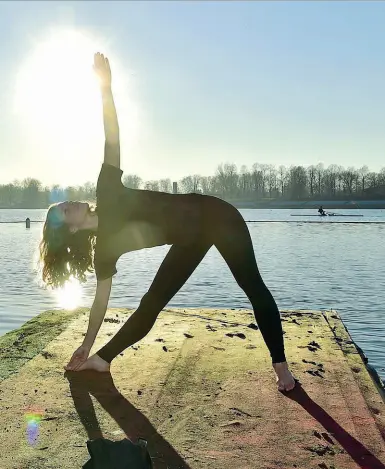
<point x="307" y="262"/>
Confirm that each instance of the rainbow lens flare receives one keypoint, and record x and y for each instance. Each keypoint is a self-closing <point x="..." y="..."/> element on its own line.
<point x="33" y="417"/>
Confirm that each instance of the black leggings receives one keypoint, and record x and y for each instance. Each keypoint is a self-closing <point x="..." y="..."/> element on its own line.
<point x="224" y="228"/>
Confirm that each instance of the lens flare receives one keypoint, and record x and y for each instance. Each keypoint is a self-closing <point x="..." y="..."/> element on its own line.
<point x="33" y="417"/>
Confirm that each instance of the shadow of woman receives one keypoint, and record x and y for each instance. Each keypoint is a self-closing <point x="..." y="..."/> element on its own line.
<point x="358" y="452"/>
<point x="133" y="423"/>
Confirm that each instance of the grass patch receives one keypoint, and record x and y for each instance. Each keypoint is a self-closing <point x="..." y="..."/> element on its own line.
<point x="22" y="344"/>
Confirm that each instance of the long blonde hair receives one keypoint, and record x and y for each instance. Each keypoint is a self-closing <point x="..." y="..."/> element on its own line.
<point x="64" y="254"/>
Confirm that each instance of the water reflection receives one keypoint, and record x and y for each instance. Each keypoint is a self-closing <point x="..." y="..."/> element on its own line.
<point x="70" y="296"/>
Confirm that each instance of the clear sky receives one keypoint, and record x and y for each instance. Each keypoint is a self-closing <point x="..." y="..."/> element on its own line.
<point x="196" y="84"/>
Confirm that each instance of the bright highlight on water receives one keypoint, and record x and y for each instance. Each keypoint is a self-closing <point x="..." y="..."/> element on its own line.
<point x="70" y="296"/>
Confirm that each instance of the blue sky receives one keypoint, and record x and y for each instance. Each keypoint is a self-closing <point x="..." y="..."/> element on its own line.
<point x="210" y="82"/>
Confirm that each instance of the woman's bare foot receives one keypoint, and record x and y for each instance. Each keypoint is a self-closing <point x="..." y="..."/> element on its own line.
<point x="285" y="379"/>
<point x="95" y="363"/>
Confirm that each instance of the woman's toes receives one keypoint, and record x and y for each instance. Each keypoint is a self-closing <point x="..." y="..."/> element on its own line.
<point x="290" y="386"/>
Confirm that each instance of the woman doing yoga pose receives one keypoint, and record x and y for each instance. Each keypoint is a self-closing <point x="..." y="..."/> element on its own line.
<point x="78" y="239"/>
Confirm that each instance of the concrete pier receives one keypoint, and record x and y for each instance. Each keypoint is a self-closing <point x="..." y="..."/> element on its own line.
<point x="199" y="388"/>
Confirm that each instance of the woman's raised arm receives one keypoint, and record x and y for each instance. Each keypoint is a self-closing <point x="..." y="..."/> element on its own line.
<point x="110" y="118"/>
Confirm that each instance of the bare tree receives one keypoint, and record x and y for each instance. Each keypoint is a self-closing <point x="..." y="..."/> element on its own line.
<point x="338" y="185"/>
<point x="311" y="177"/>
<point x="257" y="178"/>
<point x="371" y="179"/>
<point x="244" y="181"/>
<point x="206" y="184"/>
<point x="227" y="179"/>
<point x="259" y="172"/>
<point x="165" y="185"/>
<point x="363" y="171"/>
<point x="298" y="180"/>
<point x="271" y="180"/>
<point x="90" y="190"/>
<point x="190" y="184"/>
<point x="10" y="195"/>
<point x="348" y="178"/>
<point x="282" y="178"/>
<point x="320" y="171"/>
<point x="152" y="186"/>
<point x="132" y="181"/>
<point x="330" y="179"/>
<point x="381" y="177"/>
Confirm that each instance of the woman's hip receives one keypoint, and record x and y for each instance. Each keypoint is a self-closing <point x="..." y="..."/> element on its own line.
<point x="220" y="216"/>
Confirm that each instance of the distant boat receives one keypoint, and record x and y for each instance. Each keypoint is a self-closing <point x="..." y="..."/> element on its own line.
<point x="328" y="214"/>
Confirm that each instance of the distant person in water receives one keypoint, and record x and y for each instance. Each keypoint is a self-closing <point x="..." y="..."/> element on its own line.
<point x="321" y="211"/>
<point x="78" y="239"/>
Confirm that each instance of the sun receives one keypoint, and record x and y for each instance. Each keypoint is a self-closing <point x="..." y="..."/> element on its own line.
<point x="58" y="103"/>
<point x="56" y="88"/>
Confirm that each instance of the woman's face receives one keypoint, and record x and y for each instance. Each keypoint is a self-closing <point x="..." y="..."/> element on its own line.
<point x="73" y="214"/>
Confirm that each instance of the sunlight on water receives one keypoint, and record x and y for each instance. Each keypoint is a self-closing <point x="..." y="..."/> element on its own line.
<point x="70" y="295"/>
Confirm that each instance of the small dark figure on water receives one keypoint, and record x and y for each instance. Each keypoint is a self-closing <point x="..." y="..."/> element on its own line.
<point x="78" y="239"/>
<point x="321" y="211"/>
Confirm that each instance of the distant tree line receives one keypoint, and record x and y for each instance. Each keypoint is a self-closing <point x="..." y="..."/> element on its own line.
<point x="261" y="181"/>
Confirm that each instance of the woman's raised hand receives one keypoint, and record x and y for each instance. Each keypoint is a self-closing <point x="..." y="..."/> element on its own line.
<point x="102" y="69"/>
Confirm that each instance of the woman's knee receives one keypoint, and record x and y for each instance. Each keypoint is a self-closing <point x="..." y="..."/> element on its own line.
<point x="152" y="302"/>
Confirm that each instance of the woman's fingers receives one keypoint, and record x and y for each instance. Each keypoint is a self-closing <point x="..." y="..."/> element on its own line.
<point x="72" y="362"/>
<point x="101" y="62"/>
<point x="79" y="365"/>
<point x="77" y="359"/>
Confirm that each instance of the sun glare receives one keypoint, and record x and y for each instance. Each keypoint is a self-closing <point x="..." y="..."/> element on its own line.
<point x="70" y="295"/>
<point x="56" y="86"/>
<point x="58" y="102"/>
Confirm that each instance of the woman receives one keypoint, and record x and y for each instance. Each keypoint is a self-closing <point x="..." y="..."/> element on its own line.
<point x="77" y="238"/>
